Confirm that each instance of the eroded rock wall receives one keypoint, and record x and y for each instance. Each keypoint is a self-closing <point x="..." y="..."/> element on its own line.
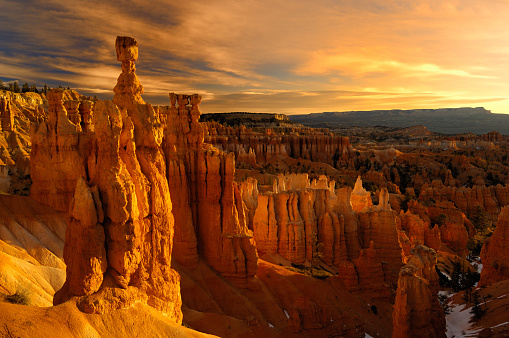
<point x="141" y="189"/>
<point x="468" y="200"/>
<point x="212" y="219"/>
<point x="257" y="148"/>
<point x="298" y="214"/>
<point x="495" y="252"/>
<point x="417" y="312"/>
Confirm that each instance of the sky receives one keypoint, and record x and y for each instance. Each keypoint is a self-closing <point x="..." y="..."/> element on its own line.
<point x="278" y="56"/>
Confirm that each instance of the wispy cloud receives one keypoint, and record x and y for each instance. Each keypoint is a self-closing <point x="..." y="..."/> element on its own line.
<point x="276" y="55"/>
<point x="361" y="66"/>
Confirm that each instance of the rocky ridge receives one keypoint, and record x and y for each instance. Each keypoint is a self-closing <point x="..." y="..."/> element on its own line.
<point x="257" y="148"/>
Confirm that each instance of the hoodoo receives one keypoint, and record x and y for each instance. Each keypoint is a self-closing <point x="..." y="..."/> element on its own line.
<point x="133" y="168"/>
<point x="495" y="252"/>
<point x="120" y="206"/>
<point x="417" y="312"/>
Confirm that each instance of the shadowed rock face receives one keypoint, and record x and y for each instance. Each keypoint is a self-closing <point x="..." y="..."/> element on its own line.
<point x="495" y="252"/>
<point x="468" y="200"/>
<point x="417" y="312"/>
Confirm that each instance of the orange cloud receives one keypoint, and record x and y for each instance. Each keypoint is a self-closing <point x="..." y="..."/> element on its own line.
<point x="276" y="55"/>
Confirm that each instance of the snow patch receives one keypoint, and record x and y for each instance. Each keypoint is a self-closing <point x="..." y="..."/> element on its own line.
<point x="478" y="266"/>
<point x="449" y="294"/>
<point x="499" y="325"/>
<point x="367" y="335"/>
<point x="270" y="325"/>
<point x="287" y="315"/>
<point x="458" y="322"/>
<point x="446" y="275"/>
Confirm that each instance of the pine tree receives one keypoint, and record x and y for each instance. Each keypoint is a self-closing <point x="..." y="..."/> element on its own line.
<point x="476" y="309"/>
<point x="317" y="252"/>
<point x="16" y="88"/>
<point x="2" y="86"/>
<point x="443" y="300"/>
<point x="479" y="219"/>
<point x="467" y="296"/>
<point x="456" y="277"/>
<point x="440" y="220"/>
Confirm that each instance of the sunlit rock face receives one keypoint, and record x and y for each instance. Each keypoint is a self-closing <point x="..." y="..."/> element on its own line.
<point x="56" y="159"/>
<point x="495" y="252"/>
<point x="125" y="171"/>
<point x="17" y="112"/>
<point x="360" y="198"/>
<point x="363" y="245"/>
<point x="211" y="217"/>
<point x="119" y="236"/>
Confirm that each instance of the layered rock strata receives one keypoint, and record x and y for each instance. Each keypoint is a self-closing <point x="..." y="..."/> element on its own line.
<point x="468" y="200"/>
<point x="59" y="152"/>
<point x="297" y="215"/>
<point x="257" y="148"/>
<point x="211" y="217"/>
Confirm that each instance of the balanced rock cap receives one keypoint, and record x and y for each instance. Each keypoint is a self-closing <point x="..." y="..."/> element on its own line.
<point x="127" y="48"/>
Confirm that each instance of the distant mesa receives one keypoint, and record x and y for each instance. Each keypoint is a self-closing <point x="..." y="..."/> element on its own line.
<point x="446" y="120"/>
<point x="414" y="131"/>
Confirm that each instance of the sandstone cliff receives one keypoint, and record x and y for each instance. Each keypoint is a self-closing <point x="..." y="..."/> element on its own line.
<point x="358" y="239"/>
<point x="257" y="148"/>
<point x="489" y="199"/>
<point x="122" y="171"/>
<point x="211" y="216"/>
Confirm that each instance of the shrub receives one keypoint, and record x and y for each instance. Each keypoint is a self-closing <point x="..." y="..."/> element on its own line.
<point x="374" y="309"/>
<point x="440" y="220"/>
<point x="21" y="296"/>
